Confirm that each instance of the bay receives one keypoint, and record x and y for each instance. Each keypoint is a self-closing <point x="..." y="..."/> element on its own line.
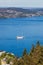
<point x="31" y="28"/>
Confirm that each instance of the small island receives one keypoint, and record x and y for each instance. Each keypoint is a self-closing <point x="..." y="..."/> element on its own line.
<point x="34" y="57"/>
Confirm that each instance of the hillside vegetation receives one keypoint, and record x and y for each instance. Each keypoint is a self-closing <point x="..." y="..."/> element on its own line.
<point x="35" y="57"/>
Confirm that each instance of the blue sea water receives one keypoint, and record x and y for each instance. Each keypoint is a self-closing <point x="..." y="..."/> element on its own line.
<point x="30" y="28"/>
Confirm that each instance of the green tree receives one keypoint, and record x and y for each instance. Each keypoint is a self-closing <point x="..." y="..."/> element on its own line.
<point x="24" y="52"/>
<point x="32" y="50"/>
<point x="37" y="44"/>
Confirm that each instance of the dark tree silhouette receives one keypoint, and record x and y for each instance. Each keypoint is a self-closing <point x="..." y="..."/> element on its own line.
<point x="24" y="52"/>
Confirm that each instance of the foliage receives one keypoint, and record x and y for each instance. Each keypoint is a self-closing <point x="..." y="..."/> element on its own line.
<point x="35" y="57"/>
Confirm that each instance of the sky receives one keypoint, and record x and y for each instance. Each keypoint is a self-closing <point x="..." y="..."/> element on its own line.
<point x="21" y="3"/>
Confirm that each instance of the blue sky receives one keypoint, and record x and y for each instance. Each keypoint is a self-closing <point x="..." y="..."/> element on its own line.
<point x="21" y="3"/>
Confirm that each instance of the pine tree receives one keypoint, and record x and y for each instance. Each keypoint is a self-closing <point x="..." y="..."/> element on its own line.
<point x="32" y="50"/>
<point x="37" y="44"/>
<point x="41" y="56"/>
<point x="25" y="52"/>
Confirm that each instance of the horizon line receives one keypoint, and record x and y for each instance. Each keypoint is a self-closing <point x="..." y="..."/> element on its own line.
<point x="22" y="7"/>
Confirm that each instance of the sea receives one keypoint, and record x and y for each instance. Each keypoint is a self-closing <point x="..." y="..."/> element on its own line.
<point x="30" y="28"/>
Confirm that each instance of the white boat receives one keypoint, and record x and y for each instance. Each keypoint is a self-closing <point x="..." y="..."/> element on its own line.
<point x="20" y="37"/>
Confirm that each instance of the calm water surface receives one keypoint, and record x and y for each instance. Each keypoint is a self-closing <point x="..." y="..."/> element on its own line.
<point x="30" y="28"/>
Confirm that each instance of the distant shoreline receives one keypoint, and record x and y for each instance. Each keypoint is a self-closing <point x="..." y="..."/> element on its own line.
<point x="20" y="12"/>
